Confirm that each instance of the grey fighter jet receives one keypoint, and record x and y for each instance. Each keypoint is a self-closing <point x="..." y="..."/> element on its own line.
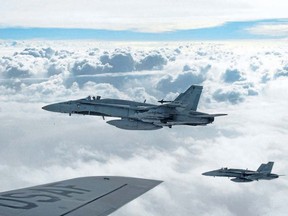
<point x="245" y="175"/>
<point x="141" y="116"/>
<point x="94" y="195"/>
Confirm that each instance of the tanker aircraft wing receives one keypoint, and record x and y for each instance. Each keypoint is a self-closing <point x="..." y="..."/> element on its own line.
<point x="97" y="196"/>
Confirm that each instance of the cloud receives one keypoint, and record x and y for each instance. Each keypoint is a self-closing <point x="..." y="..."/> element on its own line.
<point x="153" y="61"/>
<point x="55" y="69"/>
<point x="31" y="64"/>
<point x="233" y="97"/>
<point x="119" y="62"/>
<point x="270" y="29"/>
<point x="232" y="75"/>
<point x="282" y="73"/>
<point x="189" y="75"/>
<point x="255" y="63"/>
<point x="163" y="15"/>
<point x="84" y="67"/>
<point x="42" y="53"/>
<point x="16" y="72"/>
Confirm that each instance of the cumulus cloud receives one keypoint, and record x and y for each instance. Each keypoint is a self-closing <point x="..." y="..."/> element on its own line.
<point x="16" y="72"/>
<point x="282" y="72"/>
<point x="153" y="61"/>
<point x="40" y="147"/>
<point x="233" y="97"/>
<point x="120" y="62"/>
<point x="189" y="75"/>
<point x="41" y="53"/>
<point x="232" y="75"/>
<point x="81" y="66"/>
<point x="255" y="63"/>
<point x="84" y="67"/>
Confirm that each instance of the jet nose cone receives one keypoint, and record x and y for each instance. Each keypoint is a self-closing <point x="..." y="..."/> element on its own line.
<point x="205" y="173"/>
<point x="51" y="107"/>
<point x="210" y="173"/>
<point x="45" y="108"/>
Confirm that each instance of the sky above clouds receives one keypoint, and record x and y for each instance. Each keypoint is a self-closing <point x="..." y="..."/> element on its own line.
<point x="143" y="20"/>
<point x="246" y="80"/>
<point x="151" y="16"/>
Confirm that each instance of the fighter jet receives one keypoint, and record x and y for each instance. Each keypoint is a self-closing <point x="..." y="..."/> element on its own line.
<point x="245" y="175"/>
<point x="94" y="195"/>
<point x="141" y="116"/>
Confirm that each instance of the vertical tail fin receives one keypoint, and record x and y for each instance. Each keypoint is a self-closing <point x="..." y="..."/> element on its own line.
<point x="190" y="98"/>
<point x="266" y="168"/>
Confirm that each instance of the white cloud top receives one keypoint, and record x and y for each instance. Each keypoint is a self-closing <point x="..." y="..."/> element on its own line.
<point x="271" y="29"/>
<point x="244" y="79"/>
<point x="148" y="16"/>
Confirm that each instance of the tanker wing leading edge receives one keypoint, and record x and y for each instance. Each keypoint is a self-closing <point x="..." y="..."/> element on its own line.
<point x="141" y="116"/>
<point x="98" y="196"/>
<point x="245" y="175"/>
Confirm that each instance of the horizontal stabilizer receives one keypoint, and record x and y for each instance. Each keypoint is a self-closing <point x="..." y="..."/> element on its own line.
<point x="209" y="115"/>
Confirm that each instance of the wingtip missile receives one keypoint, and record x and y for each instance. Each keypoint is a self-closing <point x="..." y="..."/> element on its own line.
<point x="164" y="101"/>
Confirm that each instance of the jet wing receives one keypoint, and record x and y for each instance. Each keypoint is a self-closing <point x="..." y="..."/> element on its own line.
<point x="97" y="196"/>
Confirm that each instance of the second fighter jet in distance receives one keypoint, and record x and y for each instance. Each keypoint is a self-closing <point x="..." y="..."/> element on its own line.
<point x="245" y="175"/>
<point x="141" y="116"/>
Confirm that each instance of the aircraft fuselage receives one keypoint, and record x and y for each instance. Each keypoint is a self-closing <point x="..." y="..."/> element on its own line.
<point x="141" y="116"/>
<point x="245" y="175"/>
<point x="147" y="113"/>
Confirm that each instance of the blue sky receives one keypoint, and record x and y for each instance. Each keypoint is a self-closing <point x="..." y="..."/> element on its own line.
<point x="259" y="29"/>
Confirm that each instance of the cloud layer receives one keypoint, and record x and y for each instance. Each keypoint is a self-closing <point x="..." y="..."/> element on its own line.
<point x="246" y="80"/>
<point x="126" y="15"/>
<point x="279" y="29"/>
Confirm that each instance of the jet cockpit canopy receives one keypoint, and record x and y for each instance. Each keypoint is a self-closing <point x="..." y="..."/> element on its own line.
<point x="89" y="98"/>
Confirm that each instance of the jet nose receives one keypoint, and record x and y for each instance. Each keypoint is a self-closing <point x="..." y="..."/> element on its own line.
<point x="206" y="173"/>
<point x="45" y="108"/>
<point x="51" y="107"/>
<point x="210" y="173"/>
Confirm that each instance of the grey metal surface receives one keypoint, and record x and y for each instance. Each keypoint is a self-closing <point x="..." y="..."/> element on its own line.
<point x="141" y="116"/>
<point x="96" y="196"/>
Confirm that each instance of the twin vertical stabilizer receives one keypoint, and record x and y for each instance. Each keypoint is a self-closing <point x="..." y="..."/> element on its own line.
<point x="266" y="168"/>
<point x="190" y="98"/>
